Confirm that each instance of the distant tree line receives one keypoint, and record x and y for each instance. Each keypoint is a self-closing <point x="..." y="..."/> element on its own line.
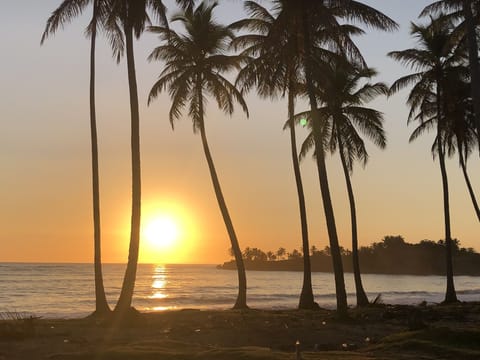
<point x="392" y="255"/>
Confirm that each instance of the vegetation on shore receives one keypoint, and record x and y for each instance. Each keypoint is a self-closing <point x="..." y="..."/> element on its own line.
<point x="392" y="255"/>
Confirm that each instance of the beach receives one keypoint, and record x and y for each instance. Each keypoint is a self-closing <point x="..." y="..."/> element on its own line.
<point x="376" y="332"/>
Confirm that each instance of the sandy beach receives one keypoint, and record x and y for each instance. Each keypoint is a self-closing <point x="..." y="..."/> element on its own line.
<point x="377" y="332"/>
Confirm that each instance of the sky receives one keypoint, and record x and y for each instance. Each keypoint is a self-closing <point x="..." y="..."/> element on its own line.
<point x="45" y="192"/>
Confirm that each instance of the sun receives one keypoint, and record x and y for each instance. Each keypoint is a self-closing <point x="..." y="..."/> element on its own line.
<point x="169" y="232"/>
<point x="161" y="232"/>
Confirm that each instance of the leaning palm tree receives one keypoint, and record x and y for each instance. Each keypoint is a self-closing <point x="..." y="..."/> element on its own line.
<point x="467" y="13"/>
<point x="65" y="13"/>
<point x="317" y="25"/>
<point x="274" y="75"/>
<point x="132" y="17"/>
<point x="342" y="98"/>
<point x="434" y="58"/>
<point x="195" y="62"/>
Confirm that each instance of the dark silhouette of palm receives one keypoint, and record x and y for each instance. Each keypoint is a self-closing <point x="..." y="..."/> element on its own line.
<point x="275" y="74"/>
<point x="433" y="59"/>
<point x="342" y="112"/>
<point x="132" y="17"/>
<point x="316" y="26"/>
<point x="64" y="14"/>
<point x="195" y="62"/>
<point x="461" y="125"/>
<point x="466" y="13"/>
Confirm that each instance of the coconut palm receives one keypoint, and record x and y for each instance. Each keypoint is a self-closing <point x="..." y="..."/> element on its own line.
<point x="467" y="12"/>
<point x="433" y="59"/>
<point x="316" y="25"/>
<point x="64" y="14"/>
<point x="342" y="98"/>
<point x="195" y="62"/>
<point x="462" y="137"/>
<point x="276" y="74"/>
<point x="133" y="18"/>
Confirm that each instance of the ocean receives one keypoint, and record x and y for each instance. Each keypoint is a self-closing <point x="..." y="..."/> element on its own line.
<point x="67" y="291"/>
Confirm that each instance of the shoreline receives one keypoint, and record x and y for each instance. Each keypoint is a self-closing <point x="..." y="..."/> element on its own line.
<point x="375" y="332"/>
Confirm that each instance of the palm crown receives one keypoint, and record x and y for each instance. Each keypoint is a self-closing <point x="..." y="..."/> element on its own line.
<point x="194" y="63"/>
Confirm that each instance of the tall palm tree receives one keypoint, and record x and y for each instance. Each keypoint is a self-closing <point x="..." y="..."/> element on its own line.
<point x="342" y="98"/>
<point x="433" y="59"/>
<point x="467" y="11"/>
<point x="459" y="112"/>
<point x="65" y="13"/>
<point x="132" y="16"/>
<point x="195" y="62"/>
<point x="276" y="74"/>
<point x="316" y="24"/>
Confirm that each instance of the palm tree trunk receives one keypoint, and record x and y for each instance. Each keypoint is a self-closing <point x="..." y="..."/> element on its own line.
<point x="241" y="302"/>
<point x="101" y="305"/>
<point x="473" y="59"/>
<point x="126" y="295"/>
<point x="306" y="296"/>
<point x="450" y="294"/>
<point x="469" y="185"/>
<point x="362" y="299"/>
<point x="342" y="307"/>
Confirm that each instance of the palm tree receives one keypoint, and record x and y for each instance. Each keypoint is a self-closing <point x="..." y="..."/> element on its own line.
<point x="459" y="112"/>
<point x="435" y="57"/>
<point x="275" y="74"/>
<point x="316" y="25"/>
<point x="65" y="13"/>
<point x="468" y="12"/>
<point x="342" y="100"/>
<point x="194" y="63"/>
<point x="132" y="17"/>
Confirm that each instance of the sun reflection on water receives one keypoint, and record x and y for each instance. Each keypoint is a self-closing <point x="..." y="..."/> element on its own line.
<point x="159" y="284"/>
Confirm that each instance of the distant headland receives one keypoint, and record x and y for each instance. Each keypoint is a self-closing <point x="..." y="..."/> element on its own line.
<point x="392" y="255"/>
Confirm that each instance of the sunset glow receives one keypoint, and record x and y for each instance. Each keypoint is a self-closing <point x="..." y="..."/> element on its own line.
<point x="162" y="232"/>
<point x="168" y="232"/>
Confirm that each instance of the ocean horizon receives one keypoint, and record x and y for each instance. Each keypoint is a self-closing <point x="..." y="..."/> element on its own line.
<point x="66" y="290"/>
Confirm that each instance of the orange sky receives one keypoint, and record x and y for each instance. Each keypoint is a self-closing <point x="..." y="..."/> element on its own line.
<point x="45" y="156"/>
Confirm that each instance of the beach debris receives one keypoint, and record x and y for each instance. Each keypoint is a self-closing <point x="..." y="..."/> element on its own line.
<point x="346" y="346"/>
<point x="324" y="323"/>
<point x="298" y="353"/>
<point x="378" y="300"/>
<point x="367" y="339"/>
<point x="197" y="330"/>
<point x="66" y="341"/>
<point x="286" y="326"/>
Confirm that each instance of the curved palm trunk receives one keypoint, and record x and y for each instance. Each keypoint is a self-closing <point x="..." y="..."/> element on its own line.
<point x="469" y="185"/>
<point x="306" y="296"/>
<point x="126" y="295"/>
<point x="473" y="59"/>
<point x="241" y="302"/>
<point x="362" y="299"/>
<point x="101" y="305"/>
<point x="341" y="295"/>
